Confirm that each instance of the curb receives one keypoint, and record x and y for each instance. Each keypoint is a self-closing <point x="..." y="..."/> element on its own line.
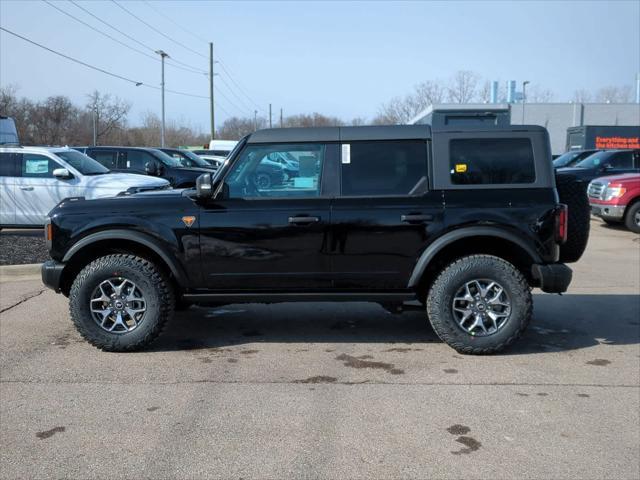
<point x="13" y="273"/>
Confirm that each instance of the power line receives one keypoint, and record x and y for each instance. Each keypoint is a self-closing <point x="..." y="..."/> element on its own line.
<point x="226" y="71"/>
<point x="135" y="82"/>
<point x="221" y="63"/>
<point x="198" y="37"/>
<point x="187" y="66"/>
<point x="242" y="102"/>
<point x="158" y="31"/>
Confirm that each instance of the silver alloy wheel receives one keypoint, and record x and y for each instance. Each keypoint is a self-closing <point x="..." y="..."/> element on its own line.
<point x="637" y="218"/>
<point x="117" y="305"/>
<point x="481" y="307"/>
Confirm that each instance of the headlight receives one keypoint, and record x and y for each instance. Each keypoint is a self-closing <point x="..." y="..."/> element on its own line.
<point x="613" y="192"/>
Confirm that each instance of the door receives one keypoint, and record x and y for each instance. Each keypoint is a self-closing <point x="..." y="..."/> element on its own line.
<point x="37" y="191"/>
<point x="270" y="232"/>
<point x="382" y="219"/>
<point x="7" y="189"/>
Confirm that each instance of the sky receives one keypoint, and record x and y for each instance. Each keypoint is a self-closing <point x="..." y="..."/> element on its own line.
<point x="336" y="58"/>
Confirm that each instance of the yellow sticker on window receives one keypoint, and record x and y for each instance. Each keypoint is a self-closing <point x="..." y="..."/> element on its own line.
<point x="461" y="167"/>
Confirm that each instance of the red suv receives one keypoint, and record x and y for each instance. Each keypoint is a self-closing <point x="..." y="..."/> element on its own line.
<point x="616" y="199"/>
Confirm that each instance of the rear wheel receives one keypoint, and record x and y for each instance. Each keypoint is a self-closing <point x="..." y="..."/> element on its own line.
<point x="632" y="217"/>
<point x="479" y="304"/>
<point x="120" y="302"/>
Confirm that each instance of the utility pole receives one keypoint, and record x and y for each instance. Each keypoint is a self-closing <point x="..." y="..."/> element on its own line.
<point x="524" y="97"/>
<point x="163" y="55"/>
<point x="94" y="112"/>
<point x="255" y="120"/>
<point x="281" y="118"/>
<point x="270" y="125"/>
<point x="213" y="125"/>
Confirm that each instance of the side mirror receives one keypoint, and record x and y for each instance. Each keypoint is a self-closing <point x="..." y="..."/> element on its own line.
<point x="204" y="186"/>
<point x="62" y="174"/>
<point x="151" y="168"/>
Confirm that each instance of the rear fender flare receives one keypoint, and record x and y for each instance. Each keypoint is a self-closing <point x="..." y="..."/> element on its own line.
<point x="448" y="238"/>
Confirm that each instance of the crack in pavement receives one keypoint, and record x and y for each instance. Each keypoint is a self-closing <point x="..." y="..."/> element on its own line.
<point x="5" y="309"/>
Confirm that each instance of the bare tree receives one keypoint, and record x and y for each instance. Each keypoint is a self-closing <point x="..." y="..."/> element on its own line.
<point x="235" y="128"/>
<point x="53" y="119"/>
<point x="581" y="96"/>
<point x="429" y="93"/>
<point x="538" y="94"/>
<point x="312" y="120"/>
<point x="613" y="94"/>
<point x="463" y="87"/>
<point x="110" y="115"/>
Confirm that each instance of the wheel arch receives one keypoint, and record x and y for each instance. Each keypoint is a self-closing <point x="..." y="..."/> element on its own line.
<point x="120" y="241"/>
<point x="470" y="241"/>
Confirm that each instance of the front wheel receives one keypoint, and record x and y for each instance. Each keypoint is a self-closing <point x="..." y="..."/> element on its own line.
<point x="479" y="304"/>
<point x="120" y="302"/>
<point x="632" y="217"/>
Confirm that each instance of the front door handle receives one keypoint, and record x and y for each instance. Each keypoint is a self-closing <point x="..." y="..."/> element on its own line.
<point x="303" y="220"/>
<point x="415" y="218"/>
<point x="27" y="189"/>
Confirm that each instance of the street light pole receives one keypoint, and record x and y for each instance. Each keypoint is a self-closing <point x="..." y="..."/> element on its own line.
<point x="163" y="55"/>
<point x="524" y="97"/>
<point x="211" y="105"/>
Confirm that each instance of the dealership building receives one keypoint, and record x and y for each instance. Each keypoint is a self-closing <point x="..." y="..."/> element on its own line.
<point x="555" y="117"/>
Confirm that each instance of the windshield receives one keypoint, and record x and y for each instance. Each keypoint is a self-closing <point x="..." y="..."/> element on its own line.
<point x="565" y="159"/>
<point x="81" y="162"/>
<point x="187" y="158"/>
<point x="8" y="133"/>
<point x="593" y="161"/>
<point x="166" y="159"/>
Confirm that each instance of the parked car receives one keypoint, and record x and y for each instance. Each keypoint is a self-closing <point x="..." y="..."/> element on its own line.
<point x="8" y="131"/>
<point x="570" y="158"/>
<point x="605" y="163"/>
<point x="395" y="214"/>
<point x="33" y="180"/>
<point x="289" y="163"/>
<point x="187" y="158"/>
<point x="222" y="148"/>
<point x="215" y="161"/>
<point x="616" y="199"/>
<point x="145" y="161"/>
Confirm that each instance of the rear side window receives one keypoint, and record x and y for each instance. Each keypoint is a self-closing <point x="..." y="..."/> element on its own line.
<point x="6" y="165"/>
<point x="482" y="161"/>
<point x="621" y="160"/>
<point x="383" y="167"/>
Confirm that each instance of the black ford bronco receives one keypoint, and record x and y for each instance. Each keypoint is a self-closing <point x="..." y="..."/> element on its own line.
<point x="461" y="222"/>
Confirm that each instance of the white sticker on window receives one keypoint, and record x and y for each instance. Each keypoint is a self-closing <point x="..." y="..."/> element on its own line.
<point x="346" y="153"/>
<point x="37" y="167"/>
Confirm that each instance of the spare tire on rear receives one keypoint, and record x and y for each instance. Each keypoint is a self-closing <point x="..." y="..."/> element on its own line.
<point x="573" y="193"/>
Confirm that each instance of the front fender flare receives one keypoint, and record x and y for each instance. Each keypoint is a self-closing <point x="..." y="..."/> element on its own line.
<point x="467" y="232"/>
<point x="146" y="240"/>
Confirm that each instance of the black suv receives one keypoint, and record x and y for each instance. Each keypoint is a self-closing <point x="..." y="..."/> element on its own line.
<point x="604" y="163"/>
<point x="463" y="222"/>
<point x="146" y="161"/>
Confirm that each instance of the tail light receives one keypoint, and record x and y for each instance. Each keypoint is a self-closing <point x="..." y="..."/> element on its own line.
<point x="562" y="219"/>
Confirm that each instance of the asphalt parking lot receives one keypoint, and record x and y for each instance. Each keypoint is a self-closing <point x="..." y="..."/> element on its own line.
<point x="331" y="390"/>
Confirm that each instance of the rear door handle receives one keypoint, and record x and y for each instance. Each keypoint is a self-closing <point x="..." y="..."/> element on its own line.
<point x="415" y="218"/>
<point x="303" y="220"/>
<point x="28" y="189"/>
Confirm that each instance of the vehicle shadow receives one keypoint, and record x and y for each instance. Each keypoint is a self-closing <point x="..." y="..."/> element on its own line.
<point x="560" y="323"/>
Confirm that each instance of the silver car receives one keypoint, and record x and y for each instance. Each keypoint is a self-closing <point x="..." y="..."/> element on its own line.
<point x="33" y="180"/>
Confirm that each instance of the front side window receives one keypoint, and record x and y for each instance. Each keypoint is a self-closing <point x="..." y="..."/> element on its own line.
<point x="621" y="160"/>
<point x="256" y="174"/>
<point x="138" y="159"/>
<point x="37" y="166"/>
<point x="383" y="167"/>
<point x="107" y="159"/>
<point x="81" y="162"/>
<point x="491" y="161"/>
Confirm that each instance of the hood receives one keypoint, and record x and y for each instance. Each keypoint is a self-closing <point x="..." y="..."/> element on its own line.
<point x="123" y="181"/>
<point x="578" y="172"/>
<point x="623" y="177"/>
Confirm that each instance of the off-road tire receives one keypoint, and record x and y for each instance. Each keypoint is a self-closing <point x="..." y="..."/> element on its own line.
<point x="451" y="278"/>
<point x="630" y="217"/>
<point x="152" y="282"/>
<point x="573" y="193"/>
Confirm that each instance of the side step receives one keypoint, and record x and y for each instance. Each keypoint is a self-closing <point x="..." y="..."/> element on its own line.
<point x="266" y="297"/>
